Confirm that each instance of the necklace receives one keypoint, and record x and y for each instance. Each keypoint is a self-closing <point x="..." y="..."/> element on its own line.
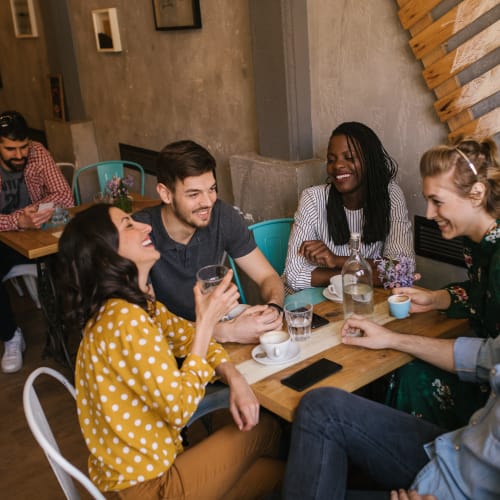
<point x="151" y="301"/>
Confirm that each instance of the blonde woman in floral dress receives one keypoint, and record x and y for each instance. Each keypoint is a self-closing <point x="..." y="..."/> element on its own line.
<point x="462" y="187"/>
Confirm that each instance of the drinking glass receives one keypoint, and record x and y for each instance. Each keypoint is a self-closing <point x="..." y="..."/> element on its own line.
<point x="210" y="276"/>
<point x="298" y="318"/>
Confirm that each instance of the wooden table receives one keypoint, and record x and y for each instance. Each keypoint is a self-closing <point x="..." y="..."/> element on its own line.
<point x="35" y="243"/>
<point x="360" y="366"/>
<point x="39" y="245"/>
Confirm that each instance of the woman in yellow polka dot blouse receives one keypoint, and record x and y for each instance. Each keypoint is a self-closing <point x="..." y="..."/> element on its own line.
<point x="132" y="398"/>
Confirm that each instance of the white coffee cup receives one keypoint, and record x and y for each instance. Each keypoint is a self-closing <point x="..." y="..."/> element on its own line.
<point x="335" y="286"/>
<point x="275" y="344"/>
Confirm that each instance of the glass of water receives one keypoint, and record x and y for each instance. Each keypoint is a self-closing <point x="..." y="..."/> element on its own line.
<point x="210" y="276"/>
<point x="298" y="317"/>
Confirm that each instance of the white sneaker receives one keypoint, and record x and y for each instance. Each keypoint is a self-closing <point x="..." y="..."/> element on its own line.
<point x="12" y="360"/>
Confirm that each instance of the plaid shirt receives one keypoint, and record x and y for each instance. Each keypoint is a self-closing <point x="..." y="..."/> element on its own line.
<point x="44" y="182"/>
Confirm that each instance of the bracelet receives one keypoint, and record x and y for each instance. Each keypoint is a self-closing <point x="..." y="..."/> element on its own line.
<point x="276" y="306"/>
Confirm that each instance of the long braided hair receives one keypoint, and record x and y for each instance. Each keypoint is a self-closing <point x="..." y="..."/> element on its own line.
<point x="378" y="169"/>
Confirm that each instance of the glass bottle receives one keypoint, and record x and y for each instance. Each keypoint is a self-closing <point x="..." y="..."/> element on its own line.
<point x="357" y="282"/>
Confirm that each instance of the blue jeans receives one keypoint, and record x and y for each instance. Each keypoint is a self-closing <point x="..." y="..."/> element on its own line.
<point x="333" y="429"/>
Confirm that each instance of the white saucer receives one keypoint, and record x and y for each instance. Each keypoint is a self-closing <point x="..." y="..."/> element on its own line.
<point x="259" y="355"/>
<point x="330" y="296"/>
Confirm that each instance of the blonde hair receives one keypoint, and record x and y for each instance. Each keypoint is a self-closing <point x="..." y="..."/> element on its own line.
<point x="470" y="161"/>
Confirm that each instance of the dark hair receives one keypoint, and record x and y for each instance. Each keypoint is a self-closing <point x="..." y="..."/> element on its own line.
<point x="182" y="159"/>
<point x="378" y="169"/>
<point x="90" y="270"/>
<point x="470" y="161"/>
<point x="13" y="126"/>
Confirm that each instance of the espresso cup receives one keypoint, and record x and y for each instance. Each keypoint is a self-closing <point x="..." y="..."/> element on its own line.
<point x="399" y="306"/>
<point x="335" y="286"/>
<point x="275" y="344"/>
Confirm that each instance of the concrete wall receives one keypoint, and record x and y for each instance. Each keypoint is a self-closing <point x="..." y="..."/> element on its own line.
<point x="163" y="86"/>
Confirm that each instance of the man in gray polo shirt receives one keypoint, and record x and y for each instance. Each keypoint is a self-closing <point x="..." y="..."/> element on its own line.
<point x="193" y="229"/>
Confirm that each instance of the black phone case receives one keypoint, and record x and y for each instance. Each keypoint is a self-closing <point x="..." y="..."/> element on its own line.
<point x="311" y="374"/>
<point x="318" y="321"/>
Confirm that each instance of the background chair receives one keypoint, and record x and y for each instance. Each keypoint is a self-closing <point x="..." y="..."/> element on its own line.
<point x="106" y="170"/>
<point x="29" y="274"/>
<point x="272" y="238"/>
<point x="37" y="421"/>
<point x="68" y="170"/>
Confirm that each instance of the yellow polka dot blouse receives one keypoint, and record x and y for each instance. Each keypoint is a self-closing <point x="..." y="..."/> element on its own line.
<point x="132" y="399"/>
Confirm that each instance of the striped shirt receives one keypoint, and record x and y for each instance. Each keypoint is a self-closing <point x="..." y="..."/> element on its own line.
<point x="311" y="224"/>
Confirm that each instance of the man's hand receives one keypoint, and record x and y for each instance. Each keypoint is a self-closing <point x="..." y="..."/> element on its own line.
<point x="249" y="325"/>
<point x="410" y="495"/>
<point x="30" y="218"/>
<point x="317" y="253"/>
<point x="374" y="335"/>
<point x="243" y="403"/>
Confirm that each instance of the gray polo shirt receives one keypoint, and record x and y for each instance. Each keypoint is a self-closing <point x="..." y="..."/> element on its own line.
<point x="174" y="275"/>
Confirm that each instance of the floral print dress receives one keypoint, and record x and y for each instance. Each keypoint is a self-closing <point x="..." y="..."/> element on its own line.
<point x="438" y="396"/>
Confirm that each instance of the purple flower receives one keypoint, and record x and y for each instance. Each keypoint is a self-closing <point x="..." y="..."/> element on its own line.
<point x="118" y="187"/>
<point x="396" y="272"/>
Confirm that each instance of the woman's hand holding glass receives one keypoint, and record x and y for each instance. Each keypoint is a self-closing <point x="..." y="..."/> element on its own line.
<point x="211" y="307"/>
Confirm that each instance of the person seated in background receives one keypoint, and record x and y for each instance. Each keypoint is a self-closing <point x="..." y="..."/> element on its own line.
<point x="462" y="187"/>
<point x="132" y="398"/>
<point x="361" y="196"/>
<point x="333" y="429"/>
<point x="28" y="177"/>
<point x="193" y="229"/>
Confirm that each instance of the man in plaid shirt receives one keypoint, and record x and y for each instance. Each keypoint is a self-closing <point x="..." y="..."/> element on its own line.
<point x="28" y="177"/>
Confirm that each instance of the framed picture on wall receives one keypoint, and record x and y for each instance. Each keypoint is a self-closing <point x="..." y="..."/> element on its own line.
<point x="106" y="30"/>
<point x="177" y="14"/>
<point x="23" y="17"/>
<point x="57" y="97"/>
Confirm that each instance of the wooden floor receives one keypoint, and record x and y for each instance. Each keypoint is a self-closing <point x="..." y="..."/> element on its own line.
<point x="24" y="470"/>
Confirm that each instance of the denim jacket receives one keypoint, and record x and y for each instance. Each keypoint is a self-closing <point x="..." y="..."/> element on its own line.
<point x="465" y="464"/>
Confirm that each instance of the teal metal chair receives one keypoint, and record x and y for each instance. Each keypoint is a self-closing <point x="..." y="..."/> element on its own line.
<point x="272" y="238"/>
<point x="106" y="170"/>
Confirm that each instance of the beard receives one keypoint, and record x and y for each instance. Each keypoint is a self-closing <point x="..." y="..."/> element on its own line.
<point x="16" y="167"/>
<point x="187" y="218"/>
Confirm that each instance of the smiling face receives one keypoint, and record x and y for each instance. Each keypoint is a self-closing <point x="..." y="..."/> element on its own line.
<point x="14" y="154"/>
<point x="344" y="167"/>
<point x="134" y="241"/>
<point x="455" y="214"/>
<point x="191" y="202"/>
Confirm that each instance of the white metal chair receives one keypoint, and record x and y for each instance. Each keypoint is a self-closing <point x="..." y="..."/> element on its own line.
<point x="37" y="421"/>
<point x="29" y="275"/>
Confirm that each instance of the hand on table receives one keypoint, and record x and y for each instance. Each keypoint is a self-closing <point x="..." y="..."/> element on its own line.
<point x="410" y="495"/>
<point x="249" y="325"/>
<point x="30" y="218"/>
<point x="374" y="336"/>
<point x="317" y="253"/>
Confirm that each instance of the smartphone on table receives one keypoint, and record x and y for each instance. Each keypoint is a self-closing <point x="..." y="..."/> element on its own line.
<point x="308" y="376"/>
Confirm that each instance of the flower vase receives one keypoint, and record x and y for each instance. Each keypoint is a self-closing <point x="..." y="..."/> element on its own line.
<point x="124" y="203"/>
